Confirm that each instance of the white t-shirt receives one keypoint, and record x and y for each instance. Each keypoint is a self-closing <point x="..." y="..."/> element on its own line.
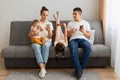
<point x="76" y="25"/>
<point x="44" y="25"/>
<point x="61" y="37"/>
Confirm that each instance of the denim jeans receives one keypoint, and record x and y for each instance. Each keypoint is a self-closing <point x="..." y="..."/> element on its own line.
<point x="74" y="44"/>
<point x="41" y="52"/>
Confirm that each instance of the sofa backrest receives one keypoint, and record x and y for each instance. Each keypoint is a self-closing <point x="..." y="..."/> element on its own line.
<point x="19" y="32"/>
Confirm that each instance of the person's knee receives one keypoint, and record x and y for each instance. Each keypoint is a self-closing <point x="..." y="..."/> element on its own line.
<point x="47" y="45"/>
<point x="72" y="47"/>
<point x="88" y="48"/>
<point x="35" y="46"/>
<point x="71" y="44"/>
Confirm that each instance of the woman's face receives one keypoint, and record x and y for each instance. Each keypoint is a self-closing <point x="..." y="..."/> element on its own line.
<point x="44" y="15"/>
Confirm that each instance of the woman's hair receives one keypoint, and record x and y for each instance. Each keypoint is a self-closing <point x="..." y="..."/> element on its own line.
<point x="59" y="47"/>
<point x="43" y="9"/>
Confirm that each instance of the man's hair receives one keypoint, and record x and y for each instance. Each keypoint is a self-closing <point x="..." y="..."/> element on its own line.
<point x="77" y="9"/>
<point x="59" y="47"/>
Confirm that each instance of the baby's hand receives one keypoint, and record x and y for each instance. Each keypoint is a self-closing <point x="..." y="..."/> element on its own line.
<point x="36" y="33"/>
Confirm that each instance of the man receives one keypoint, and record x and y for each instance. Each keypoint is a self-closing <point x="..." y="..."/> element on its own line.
<point x="79" y="32"/>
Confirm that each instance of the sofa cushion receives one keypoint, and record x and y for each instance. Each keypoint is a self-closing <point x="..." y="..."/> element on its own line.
<point x="18" y="51"/>
<point x="26" y="51"/>
<point x="19" y="33"/>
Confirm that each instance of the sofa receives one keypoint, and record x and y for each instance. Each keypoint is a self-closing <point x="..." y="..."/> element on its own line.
<point x="19" y="53"/>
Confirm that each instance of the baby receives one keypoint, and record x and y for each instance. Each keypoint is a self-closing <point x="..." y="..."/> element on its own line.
<point x="36" y="33"/>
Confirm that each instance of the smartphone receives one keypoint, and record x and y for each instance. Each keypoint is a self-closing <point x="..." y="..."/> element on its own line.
<point x="81" y="26"/>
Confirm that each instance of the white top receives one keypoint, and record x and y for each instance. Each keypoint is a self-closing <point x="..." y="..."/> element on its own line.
<point x="61" y="37"/>
<point x="76" y="25"/>
<point x="44" y="25"/>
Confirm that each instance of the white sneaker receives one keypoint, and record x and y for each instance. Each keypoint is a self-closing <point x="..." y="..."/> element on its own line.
<point x="42" y="73"/>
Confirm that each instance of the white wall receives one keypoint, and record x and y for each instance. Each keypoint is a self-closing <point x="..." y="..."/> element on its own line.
<point x="22" y="10"/>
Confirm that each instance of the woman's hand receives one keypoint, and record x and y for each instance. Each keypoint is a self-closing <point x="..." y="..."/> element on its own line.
<point x="48" y="28"/>
<point x="49" y="31"/>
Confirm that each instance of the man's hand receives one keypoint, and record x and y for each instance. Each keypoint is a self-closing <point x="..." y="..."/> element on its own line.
<point x="70" y="33"/>
<point x="82" y="29"/>
<point x="73" y="30"/>
<point x="87" y="34"/>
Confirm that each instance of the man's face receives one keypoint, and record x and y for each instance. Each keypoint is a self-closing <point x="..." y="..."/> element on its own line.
<point x="76" y="15"/>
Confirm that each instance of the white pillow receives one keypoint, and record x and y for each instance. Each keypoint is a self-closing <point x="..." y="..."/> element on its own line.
<point x="91" y="39"/>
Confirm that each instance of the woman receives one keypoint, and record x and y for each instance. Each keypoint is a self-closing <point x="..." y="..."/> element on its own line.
<point x="42" y="51"/>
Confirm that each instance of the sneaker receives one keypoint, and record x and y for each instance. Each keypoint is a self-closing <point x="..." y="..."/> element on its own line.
<point x="77" y="74"/>
<point x="42" y="73"/>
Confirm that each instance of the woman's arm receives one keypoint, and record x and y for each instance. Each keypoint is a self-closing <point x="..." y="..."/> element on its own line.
<point x="49" y="32"/>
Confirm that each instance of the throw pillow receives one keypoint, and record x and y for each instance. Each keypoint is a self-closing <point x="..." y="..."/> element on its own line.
<point x="91" y="39"/>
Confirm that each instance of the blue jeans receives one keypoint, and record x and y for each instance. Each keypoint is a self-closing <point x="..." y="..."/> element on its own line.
<point x="74" y="44"/>
<point x="41" y="52"/>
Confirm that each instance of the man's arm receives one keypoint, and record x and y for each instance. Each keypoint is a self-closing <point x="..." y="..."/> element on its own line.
<point x="70" y="32"/>
<point x="87" y="33"/>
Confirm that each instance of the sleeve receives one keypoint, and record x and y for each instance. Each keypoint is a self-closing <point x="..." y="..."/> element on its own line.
<point x="88" y="26"/>
<point x="51" y="26"/>
<point x="68" y="26"/>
